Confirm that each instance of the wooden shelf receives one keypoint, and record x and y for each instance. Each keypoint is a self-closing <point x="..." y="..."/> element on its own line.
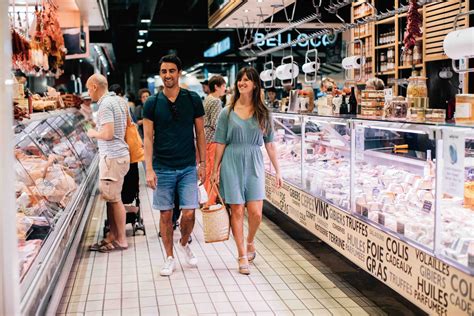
<point x="363" y="36"/>
<point x="385" y="46"/>
<point x="409" y="67"/>
<point x="363" y="16"/>
<point x="356" y="4"/>
<point x="386" y="73"/>
<point x="386" y="21"/>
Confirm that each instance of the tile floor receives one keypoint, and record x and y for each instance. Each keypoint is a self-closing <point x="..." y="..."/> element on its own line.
<point x="286" y="279"/>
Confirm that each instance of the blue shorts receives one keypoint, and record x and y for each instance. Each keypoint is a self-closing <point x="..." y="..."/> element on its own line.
<point x="184" y="181"/>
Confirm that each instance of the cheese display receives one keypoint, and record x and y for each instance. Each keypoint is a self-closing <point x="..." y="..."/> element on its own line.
<point x="52" y="157"/>
<point x="389" y="180"/>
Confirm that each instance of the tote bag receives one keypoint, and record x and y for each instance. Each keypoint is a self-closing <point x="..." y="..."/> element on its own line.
<point x="216" y="220"/>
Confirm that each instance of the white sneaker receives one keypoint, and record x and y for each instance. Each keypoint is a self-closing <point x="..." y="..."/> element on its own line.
<point x="168" y="267"/>
<point x="188" y="253"/>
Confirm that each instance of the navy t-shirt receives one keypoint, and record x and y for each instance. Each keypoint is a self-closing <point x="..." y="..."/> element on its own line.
<point x="173" y="146"/>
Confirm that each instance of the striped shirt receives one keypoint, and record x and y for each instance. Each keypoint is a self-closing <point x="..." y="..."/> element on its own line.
<point x="112" y="109"/>
<point x="212" y="108"/>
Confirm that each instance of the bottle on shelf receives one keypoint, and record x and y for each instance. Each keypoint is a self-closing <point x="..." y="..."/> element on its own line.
<point x="344" y="107"/>
<point x="353" y="102"/>
<point x="417" y="56"/>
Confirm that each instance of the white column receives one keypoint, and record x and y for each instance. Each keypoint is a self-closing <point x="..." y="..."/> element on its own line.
<point x="9" y="270"/>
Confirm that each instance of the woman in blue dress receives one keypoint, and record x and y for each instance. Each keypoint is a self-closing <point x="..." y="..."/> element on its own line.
<point x="242" y="128"/>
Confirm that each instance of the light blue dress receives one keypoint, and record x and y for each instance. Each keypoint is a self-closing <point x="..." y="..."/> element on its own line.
<point x="242" y="174"/>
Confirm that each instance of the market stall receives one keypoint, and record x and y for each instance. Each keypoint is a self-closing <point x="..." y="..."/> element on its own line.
<point x="379" y="165"/>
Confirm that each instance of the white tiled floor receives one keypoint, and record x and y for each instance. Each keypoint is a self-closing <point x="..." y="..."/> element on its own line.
<point x="286" y="279"/>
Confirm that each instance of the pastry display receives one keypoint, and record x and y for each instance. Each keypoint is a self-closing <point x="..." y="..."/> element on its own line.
<point x="52" y="156"/>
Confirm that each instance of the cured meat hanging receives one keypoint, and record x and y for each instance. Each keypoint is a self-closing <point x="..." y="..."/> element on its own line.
<point x="41" y="50"/>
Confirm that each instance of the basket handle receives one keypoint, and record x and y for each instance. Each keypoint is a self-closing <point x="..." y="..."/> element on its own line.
<point x="214" y="187"/>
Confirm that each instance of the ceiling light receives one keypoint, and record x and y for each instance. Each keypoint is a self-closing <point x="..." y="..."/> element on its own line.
<point x="141" y="40"/>
<point x="259" y="1"/>
<point x="227" y="24"/>
<point x="139" y="46"/>
<point x="246" y="10"/>
<point x="145" y="20"/>
<point x="149" y="44"/>
<point x="143" y="31"/>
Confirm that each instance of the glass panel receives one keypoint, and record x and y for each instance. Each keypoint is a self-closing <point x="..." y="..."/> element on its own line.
<point x="326" y="163"/>
<point x="394" y="183"/>
<point x="288" y="143"/>
<point x="83" y="146"/>
<point x="52" y="137"/>
<point x="457" y="211"/>
<point x="42" y="191"/>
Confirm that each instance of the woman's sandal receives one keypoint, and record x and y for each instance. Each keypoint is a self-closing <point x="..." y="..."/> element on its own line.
<point x="98" y="245"/>
<point x="113" y="246"/>
<point x="244" y="268"/>
<point x="251" y="254"/>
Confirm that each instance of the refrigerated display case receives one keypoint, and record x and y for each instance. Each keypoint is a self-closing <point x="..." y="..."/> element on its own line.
<point x="395" y="198"/>
<point x="56" y="165"/>
<point x="386" y="174"/>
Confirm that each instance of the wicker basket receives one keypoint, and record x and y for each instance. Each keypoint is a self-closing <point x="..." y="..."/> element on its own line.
<point x="216" y="222"/>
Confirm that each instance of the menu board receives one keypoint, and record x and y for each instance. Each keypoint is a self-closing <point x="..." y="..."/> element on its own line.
<point x="433" y="285"/>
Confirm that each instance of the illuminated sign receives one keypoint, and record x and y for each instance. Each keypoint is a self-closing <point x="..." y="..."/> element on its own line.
<point x="218" y="48"/>
<point x="285" y="38"/>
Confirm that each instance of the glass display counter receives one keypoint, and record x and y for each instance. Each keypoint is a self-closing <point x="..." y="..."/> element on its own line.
<point x="388" y="174"/>
<point x="56" y="166"/>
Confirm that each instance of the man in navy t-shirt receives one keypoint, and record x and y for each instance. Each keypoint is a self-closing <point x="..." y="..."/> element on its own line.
<point x="171" y="119"/>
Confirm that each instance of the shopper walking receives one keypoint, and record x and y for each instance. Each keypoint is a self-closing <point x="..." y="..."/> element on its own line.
<point x="143" y="95"/>
<point x="114" y="159"/>
<point x="170" y="120"/>
<point x="242" y="128"/>
<point x="212" y="108"/>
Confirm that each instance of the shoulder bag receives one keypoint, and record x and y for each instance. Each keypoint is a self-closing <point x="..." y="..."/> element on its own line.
<point x="134" y="141"/>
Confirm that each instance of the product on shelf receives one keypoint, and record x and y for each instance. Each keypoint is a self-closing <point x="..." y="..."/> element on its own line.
<point x="435" y="115"/>
<point x="416" y="114"/>
<point x="464" y="112"/>
<point x="396" y="109"/>
<point x="417" y="88"/>
<point x="372" y="103"/>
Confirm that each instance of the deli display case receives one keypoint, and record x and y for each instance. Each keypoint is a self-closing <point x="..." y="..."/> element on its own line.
<point x="56" y="165"/>
<point x="395" y="198"/>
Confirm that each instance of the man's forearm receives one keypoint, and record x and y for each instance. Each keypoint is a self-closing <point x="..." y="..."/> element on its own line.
<point x="201" y="140"/>
<point x="148" y="153"/>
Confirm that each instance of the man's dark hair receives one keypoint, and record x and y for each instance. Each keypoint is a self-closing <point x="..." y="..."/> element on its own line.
<point x="216" y="80"/>
<point x="272" y="89"/>
<point x="117" y="89"/>
<point x="171" y="59"/>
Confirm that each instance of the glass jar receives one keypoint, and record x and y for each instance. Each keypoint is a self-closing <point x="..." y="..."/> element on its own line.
<point x="383" y="57"/>
<point x="397" y="109"/>
<point x="417" y="59"/>
<point x="417" y="88"/>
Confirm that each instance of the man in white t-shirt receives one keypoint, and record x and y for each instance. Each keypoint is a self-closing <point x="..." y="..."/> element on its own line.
<point x="114" y="159"/>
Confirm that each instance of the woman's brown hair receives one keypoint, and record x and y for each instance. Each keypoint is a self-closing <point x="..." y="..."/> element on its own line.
<point x="261" y="112"/>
